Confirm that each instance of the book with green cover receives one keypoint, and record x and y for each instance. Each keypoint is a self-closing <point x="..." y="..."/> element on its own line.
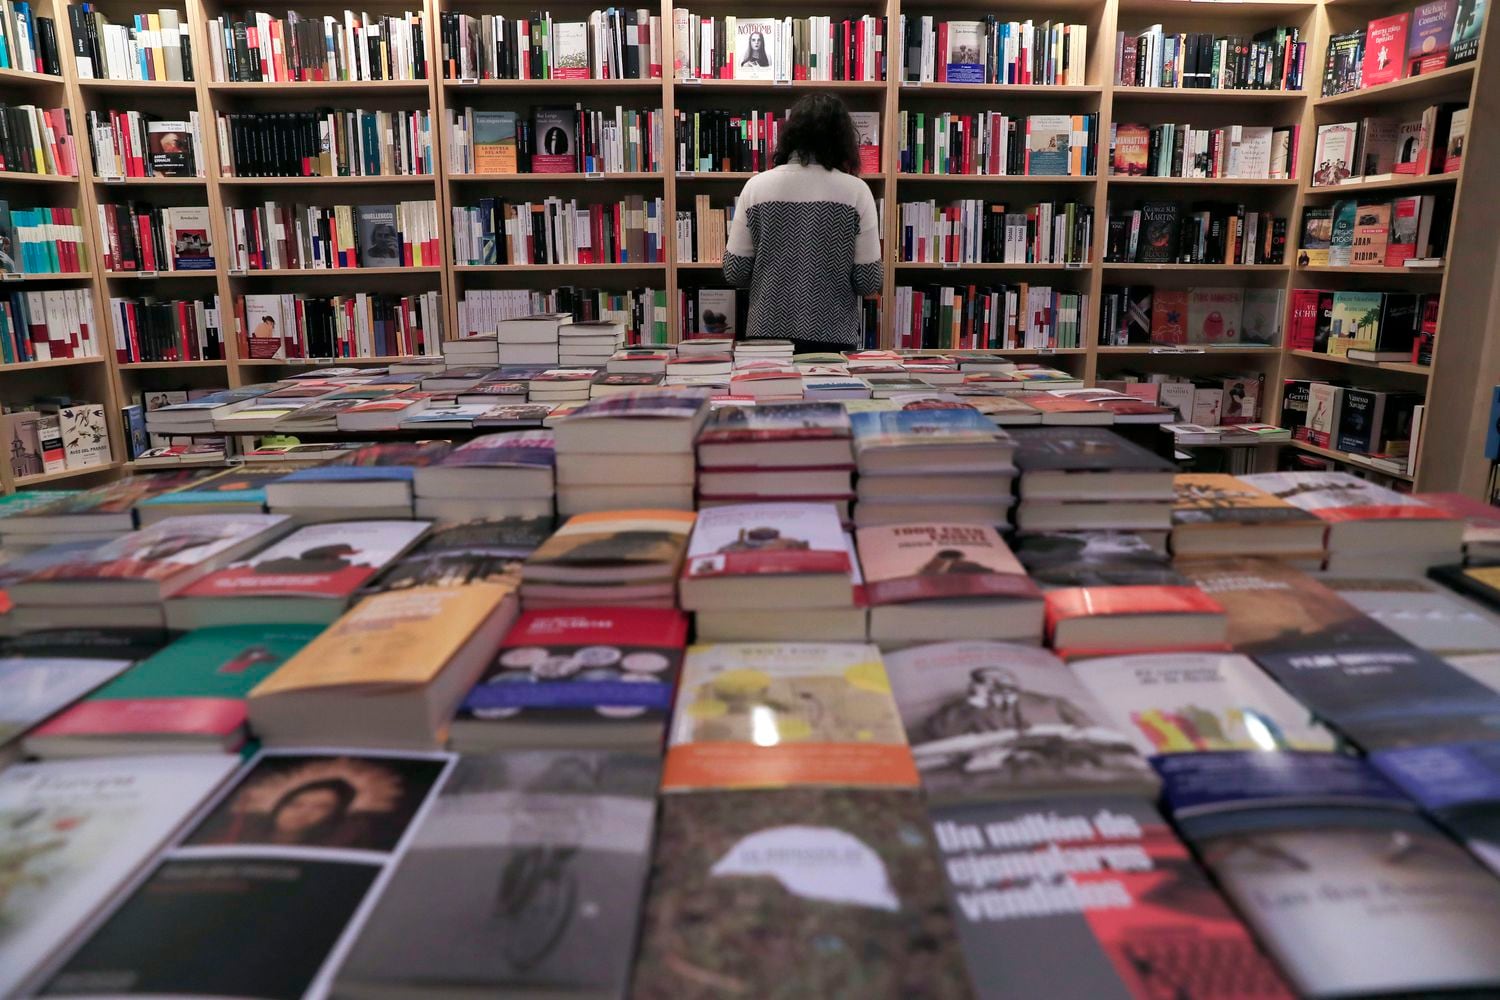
<point x="188" y="697"/>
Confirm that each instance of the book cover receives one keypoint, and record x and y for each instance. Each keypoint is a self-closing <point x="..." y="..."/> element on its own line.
<point x="1047" y="905"/>
<point x="331" y="560"/>
<point x="85" y="435"/>
<point x="1169" y="316"/>
<point x="555" y="140"/>
<point x="265" y="332"/>
<point x="1160" y="229"/>
<point x="1217" y="498"/>
<point x="1333" y="160"/>
<point x="23" y="447"/>
<point x="1260" y="322"/>
<point x="1048" y="137"/>
<point x="170" y="149"/>
<point x="1317" y="236"/>
<point x="196" y="687"/>
<point x="766" y="715"/>
<point x="993" y="719"/>
<point x="570" y="50"/>
<point x="379" y="239"/>
<point x="75" y="831"/>
<point x="1463" y="44"/>
<point x="755" y="48"/>
<point x="1431" y="31"/>
<point x="718" y="313"/>
<point x="867" y="132"/>
<point x="192" y="238"/>
<point x="35" y="687"/>
<point x="1339" y="496"/>
<point x="841" y="886"/>
<point x="1385" y="50"/>
<point x="1349" y="888"/>
<point x="963" y="58"/>
<point x="915" y="562"/>
<point x="494" y="140"/>
<point x="1132" y="143"/>
<point x="512" y="449"/>
<point x="1457" y="785"/>
<point x="597" y="663"/>
<point x="165" y="549"/>
<point x="573" y="827"/>
<point x="1214" y="315"/>
<point x="1083" y="449"/>
<point x="1194" y="702"/>
<point x="1372" y="228"/>
<point x="608" y="542"/>
<point x="921" y="429"/>
<point x="1095" y="559"/>
<point x="1341" y="233"/>
<point x="803" y="421"/>
<point x="767" y="539"/>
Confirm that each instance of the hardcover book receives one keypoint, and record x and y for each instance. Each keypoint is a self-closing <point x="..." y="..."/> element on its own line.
<point x="764" y="715"/>
<point x="842" y="885"/>
<point x="1334" y="160"/>
<point x="992" y="719"/>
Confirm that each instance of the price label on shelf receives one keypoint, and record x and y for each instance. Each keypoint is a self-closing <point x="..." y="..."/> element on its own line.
<point x="145" y="274"/>
<point x="1046" y="350"/>
<point x="914" y="84"/>
<point x="950" y="265"/>
<point x="1177" y="350"/>
<point x="690" y="80"/>
<point x="1074" y="265"/>
<point x="111" y="178"/>
<point x="594" y="175"/>
<point x="236" y="272"/>
<point x="11" y="276"/>
<point x="468" y="81"/>
<point x="783" y="83"/>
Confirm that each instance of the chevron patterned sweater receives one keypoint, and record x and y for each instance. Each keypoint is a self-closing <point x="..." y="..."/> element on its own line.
<point x="806" y="240"/>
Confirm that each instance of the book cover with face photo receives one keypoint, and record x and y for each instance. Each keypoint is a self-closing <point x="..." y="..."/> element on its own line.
<point x="993" y="718"/>
<point x="170" y="144"/>
<point x="755" y="48"/>
<point x="797" y="893"/>
<point x="1090" y="897"/>
<point x="379" y="239"/>
<point x="525" y="878"/>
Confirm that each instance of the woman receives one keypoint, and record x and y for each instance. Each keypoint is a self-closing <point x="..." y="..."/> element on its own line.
<point x="755" y="51"/>
<point x="806" y="236"/>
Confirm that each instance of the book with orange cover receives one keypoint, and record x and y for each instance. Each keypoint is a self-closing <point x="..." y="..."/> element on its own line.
<point x="769" y="715"/>
<point x="1098" y="619"/>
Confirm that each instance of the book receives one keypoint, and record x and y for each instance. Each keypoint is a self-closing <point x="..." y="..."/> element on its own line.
<point x="1097" y="620"/>
<point x="582" y="677"/>
<point x="23" y="447"/>
<point x="1317" y="236"/>
<point x="457" y="554"/>
<point x="36" y="687"/>
<point x="1372" y="228"/>
<point x="1334" y="157"/>
<point x="1195" y="702"/>
<point x="1260" y="322"/>
<point x="186" y="699"/>
<point x="1455" y="784"/>
<point x="389" y="673"/>
<point x="1385" y="50"/>
<point x="1095" y="559"/>
<point x="152" y="564"/>
<point x="1169" y="316"/>
<point x="1352" y="673"/>
<point x="439" y="929"/>
<point x="1453" y="150"/>
<point x="1160" y="228"/>
<point x="1077" y="463"/>
<point x="1217" y="514"/>
<point x="717" y="313"/>
<point x="514" y="464"/>
<point x="494" y="141"/>
<point x="1214" y="315"/>
<point x="867" y="132"/>
<point x="169" y="147"/>
<point x="963" y="56"/>
<point x="1375" y="422"/>
<point x="777" y="556"/>
<point x="555" y="132"/>
<point x="1036" y="919"/>
<point x="1280" y="830"/>
<point x="844" y="884"/>
<point x="376" y="477"/>
<point x="103" y="510"/>
<point x="974" y="711"/>
<point x="776" y="435"/>
<point x="1355" y="321"/>
<point x="281" y="875"/>
<point x="626" y="556"/>
<point x="1463" y="44"/>
<point x="1426" y="613"/>
<point x="77" y="831"/>
<point x="755" y="48"/>
<point x="307" y="577"/>
<point x="1431" y="31"/>
<point x="1341" y="233"/>
<point x="947" y="440"/>
<point x="85" y="436"/>
<point x="765" y="715"/>
<point x="378" y="235"/>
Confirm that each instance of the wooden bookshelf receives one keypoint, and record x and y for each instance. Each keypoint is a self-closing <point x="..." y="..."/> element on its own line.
<point x="1468" y="360"/>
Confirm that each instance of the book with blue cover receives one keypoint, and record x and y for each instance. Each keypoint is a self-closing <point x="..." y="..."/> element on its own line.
<point x="1458" y="784"/>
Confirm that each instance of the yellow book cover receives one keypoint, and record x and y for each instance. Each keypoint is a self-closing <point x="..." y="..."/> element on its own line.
<point x="1204" y="498"/>
<point x="158" y="62"/>
<point x="402" y="638"/>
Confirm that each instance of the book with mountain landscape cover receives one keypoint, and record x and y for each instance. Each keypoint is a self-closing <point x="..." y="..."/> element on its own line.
<point x="613" y="546"/>
<point x="1095" y="559"/>
<point x="1192" y="702"/>
<point x="1095" y="897"/>
<point x="525" y="878"/>
<point x="585" y="676"/>
<point x="189" y="697"/>
<point x="1351" y="672"/>
<point x="995" y="719"/>
<point x="797" y="892"/>
<point x="1347" y="886"/>
<point x="958" y="440"/>
<point x="75" y="831"/>
<point x="267" y="888"/>
<point x="765" y="715"/>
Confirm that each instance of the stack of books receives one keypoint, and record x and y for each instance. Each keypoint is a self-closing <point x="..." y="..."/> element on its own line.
<point x="781" y="451"/>
<point x="1081" y="478"/>
<point x="491" y="477"/>
<point x="632" y="449"/>
<point x="948" y="464"/>
<point x="625" y="558"/>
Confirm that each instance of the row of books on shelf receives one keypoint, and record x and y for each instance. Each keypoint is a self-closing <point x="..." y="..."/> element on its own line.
<point x="139" y="144"/>
<point x="1357" y="420"/>
<point x="1167" y="232"/>
<point x="274" y="235"/>
<point x="994" y="143"/>
<point x="975" y="231"/>
<point x="714" y="141"/>
<point x="48" y="326"/>
<point x="36" y="140"/>
<point x="1220" y="401"/>
<point x="326" y="143"/>
<point x="819" y="48"/>
<point x="47" y="240"/>
<point x="262" y="48"/>
<point x="1410" y="231"/>
<point x="642" y="311"/>
<point x="156" y="45"/>
<point x="1273" y="59"/>
<point x="1430" y="37"/>
<point x="1014" y="53"/>
<point x="554" y="140"/>
<point x="28" y="42"/>
<point x="1364" y="325"/>
<point x="1018" y="316"/>
<point x="148" y="329"/>
<point x="1201" y="316"/>
<point x="55" y="436"/>
<point x="360" y="325"/>
<point x="560" y="231"/>
<point x="1241" y="152"/>
<point x="142" y="237"/>
<point x="616" y="43"/>
<point x="703" y="231"/>
<point x="1381" y="149"/>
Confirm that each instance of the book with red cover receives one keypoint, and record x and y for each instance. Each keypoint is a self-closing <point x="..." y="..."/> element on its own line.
<point x="793" y="544"/>
<point x="1133" y="617"/>
<point x="1385" y="50"/>
<point x="190" y="696"/>
<point x="916" y="562"/>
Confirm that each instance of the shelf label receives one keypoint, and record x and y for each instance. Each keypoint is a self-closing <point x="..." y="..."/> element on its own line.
<point x="1178" y="350"/>
<point x="1074" y="265"/>
<point x="594" y="175"/>
<point x="468" y="81"/>
<point x="145" y="274"/>
<point x="236" y="272"/>
<point x="1046" y="350"/>
<point x="916" y="84"/>
<point x="950" y="265"/>
<point x="690" y="79"/>
<point x="111" y="178"/>
<point x="783" y="83"/>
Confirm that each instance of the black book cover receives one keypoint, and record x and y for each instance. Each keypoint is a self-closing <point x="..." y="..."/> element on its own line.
<point x="1159" y="232"/>
<point x="1082" y="449"/>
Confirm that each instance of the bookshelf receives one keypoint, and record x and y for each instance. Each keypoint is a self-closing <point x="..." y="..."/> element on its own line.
<point x="1466" y="363"/>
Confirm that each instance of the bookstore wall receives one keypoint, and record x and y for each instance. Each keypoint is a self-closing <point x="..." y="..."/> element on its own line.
<point x="465" y="163"/>
<point x="412" y="586"/>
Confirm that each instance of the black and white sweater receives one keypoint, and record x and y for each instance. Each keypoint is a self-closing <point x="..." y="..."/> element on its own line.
<point x="806" y="240"/>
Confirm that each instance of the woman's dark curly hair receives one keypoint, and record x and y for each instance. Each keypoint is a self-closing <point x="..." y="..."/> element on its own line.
<point x="819" y="129"/>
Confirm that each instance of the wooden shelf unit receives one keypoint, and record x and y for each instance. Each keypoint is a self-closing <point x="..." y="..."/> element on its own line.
<point x="1467" y="363"/>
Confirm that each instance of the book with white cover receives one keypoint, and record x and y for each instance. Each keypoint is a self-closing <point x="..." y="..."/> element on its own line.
<point x="33" y="688"/>
<point x="767" y="555"/>
<point x="74" y="831"/>
<point x="1195" y="702"/>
